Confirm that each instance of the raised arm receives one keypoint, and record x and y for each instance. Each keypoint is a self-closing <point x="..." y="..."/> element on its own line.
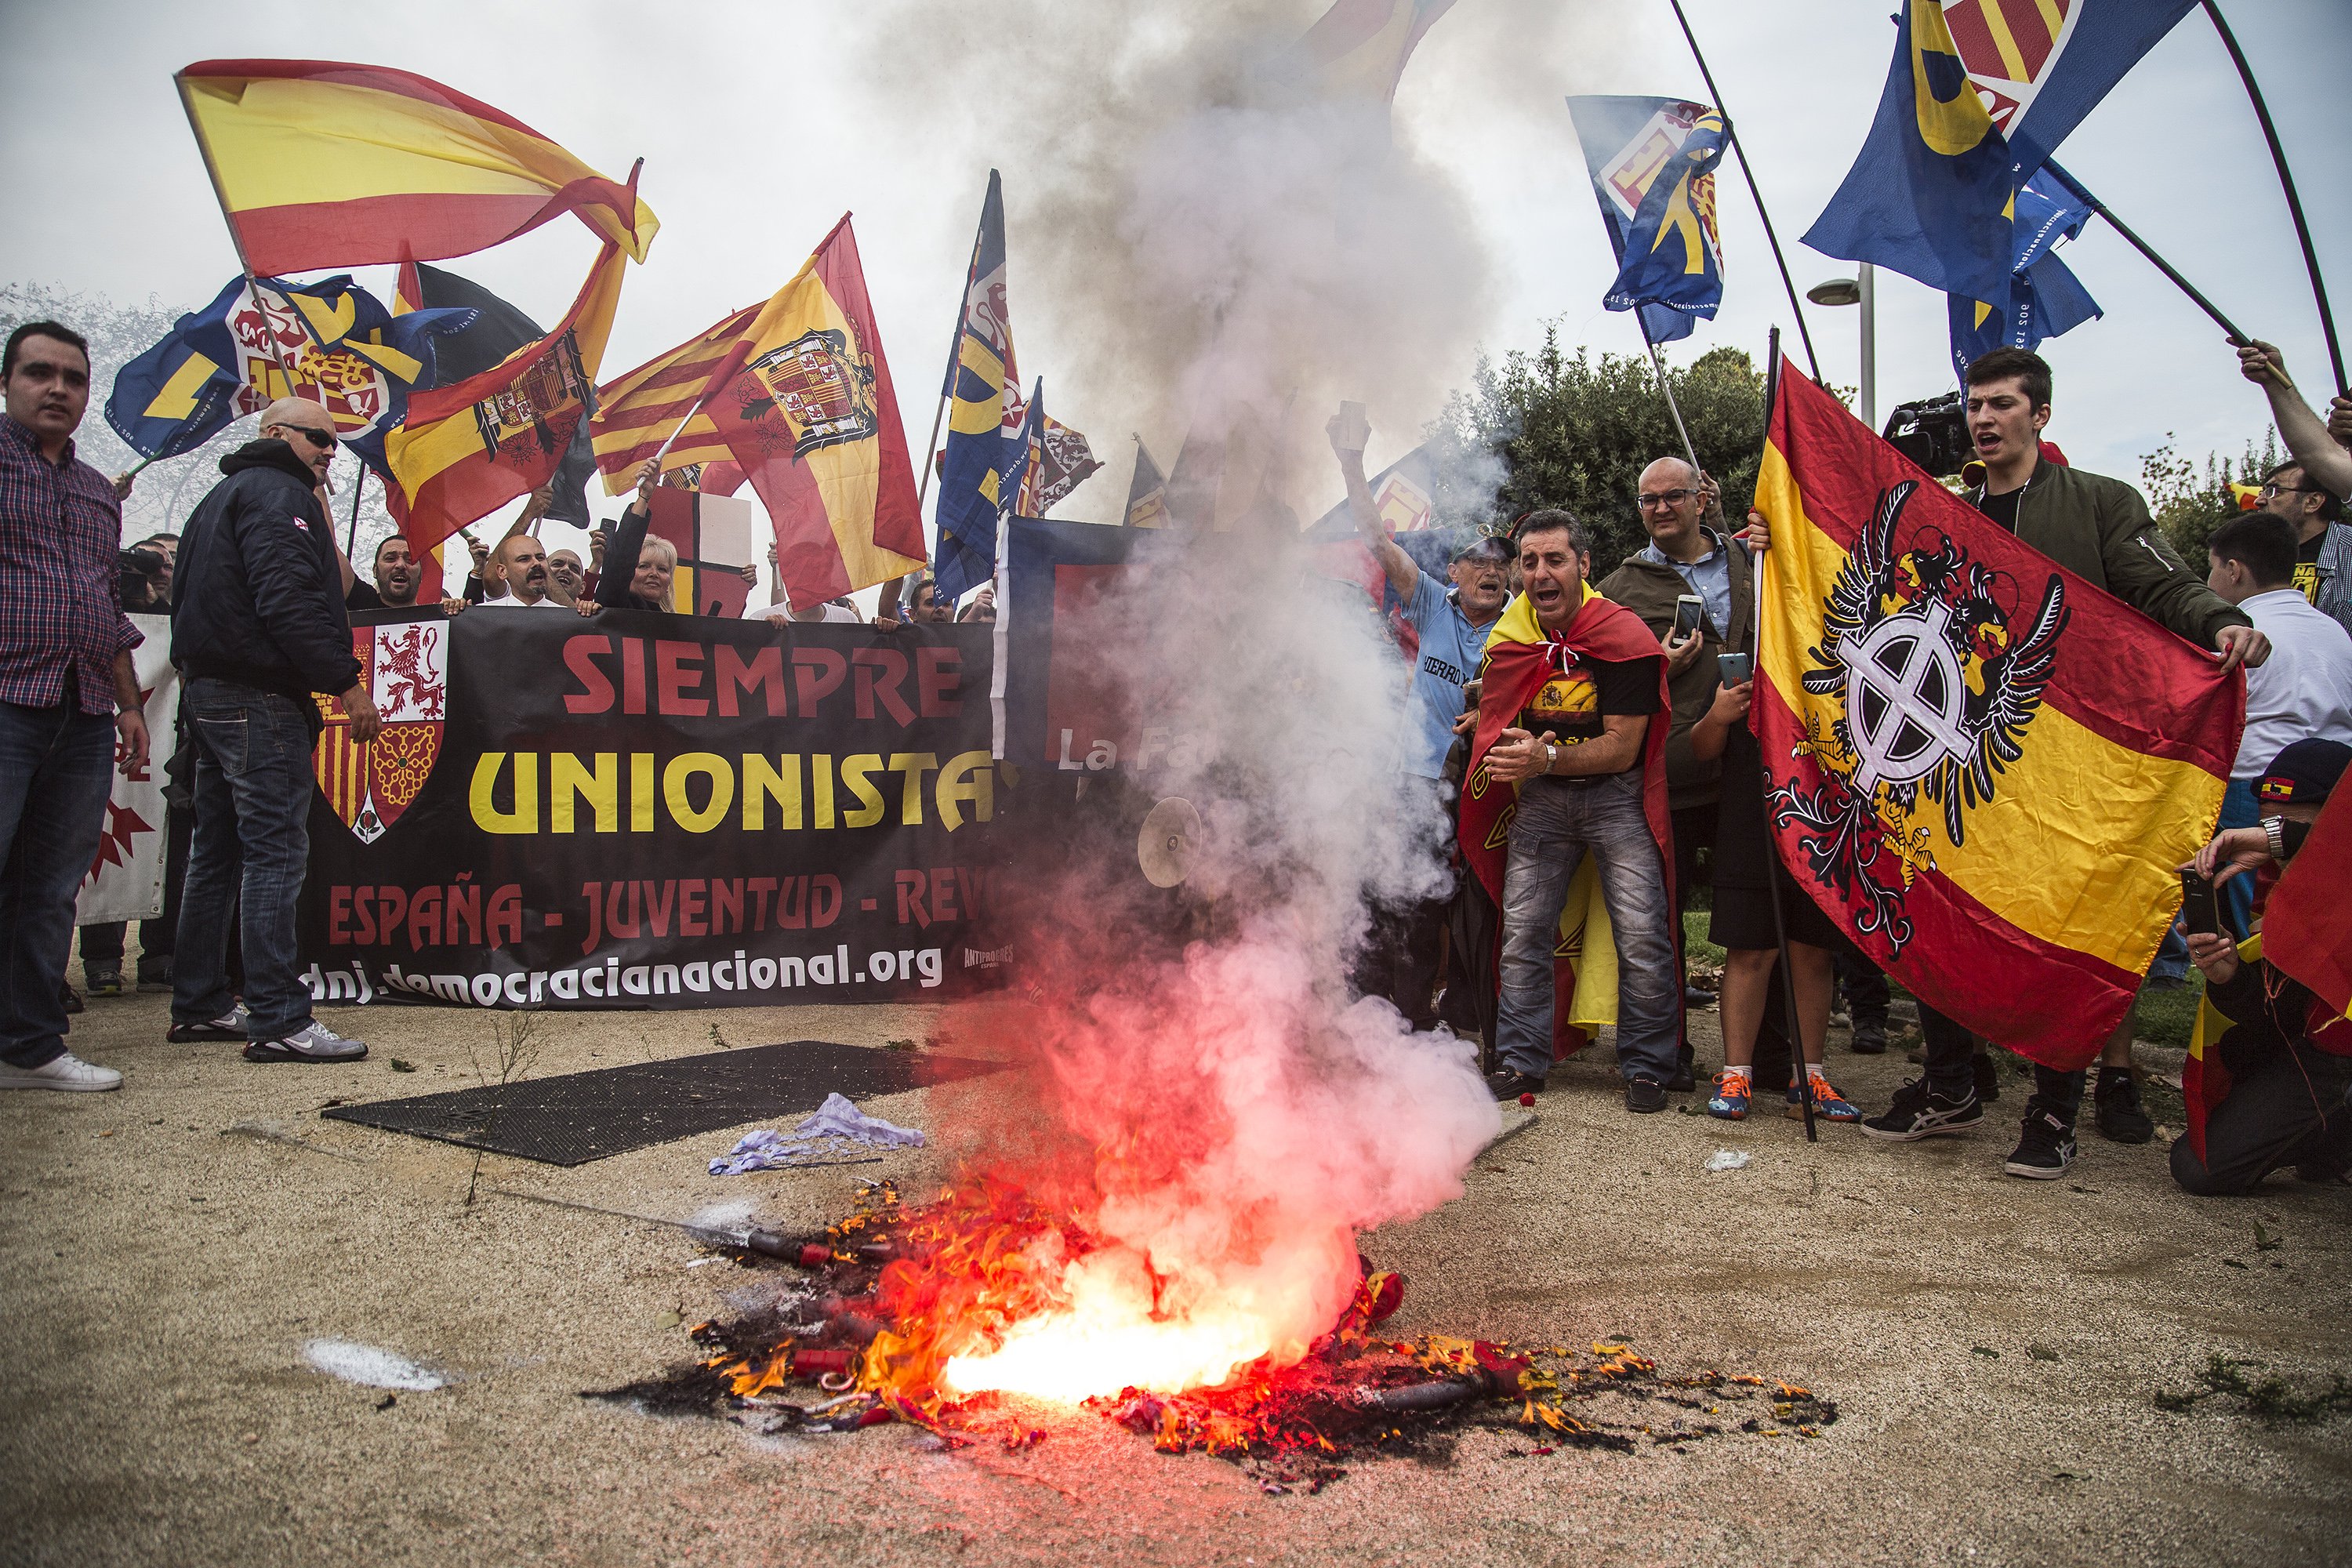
<point x="1348" y="434"/>
<point x="2304" y="433"/>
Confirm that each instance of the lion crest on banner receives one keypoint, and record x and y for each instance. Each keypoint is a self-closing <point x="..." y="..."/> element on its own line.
<point x="406" y="668"/>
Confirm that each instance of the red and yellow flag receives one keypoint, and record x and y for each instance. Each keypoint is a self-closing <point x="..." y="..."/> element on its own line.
<point x="801" y="399"/>
<point x="466" y="449"/>
<point x="1983" y="768"/>
<point x="318" y="163"/>
<point x="637" y="412"/>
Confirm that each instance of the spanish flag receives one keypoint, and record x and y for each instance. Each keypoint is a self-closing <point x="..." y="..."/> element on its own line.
<point x="637" y="412"/>
<point x="797" y="394"/>
<point x="466" y="449"/>
<point x="1521" y="658"/>
<point x="1985" y="769"/>
<point x="319" y="164"/>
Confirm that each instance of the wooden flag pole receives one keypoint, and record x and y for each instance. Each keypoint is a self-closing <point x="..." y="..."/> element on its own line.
<point x="1772" y="868"/>
<point x="1659" y="365"/>
<point x="1731" y="134"/>
<point x="2286" y="183"/>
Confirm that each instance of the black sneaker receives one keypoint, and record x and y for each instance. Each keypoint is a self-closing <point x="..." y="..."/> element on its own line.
<point x="1644" y="1095"/>
<point x="1508" y="1085"/>
<point x="1869" y="1039"/>
<point x="102" y="978"/>
<point x="1918" y="1111"/>
<point x="2120" y="1117"/>
<point x="1988" y="1073"/>
<point x="2045" y="1149"/>
<point x="69" y="997"/>
<point x="1685" y="1077"/>
<point x="1695" y="999"/>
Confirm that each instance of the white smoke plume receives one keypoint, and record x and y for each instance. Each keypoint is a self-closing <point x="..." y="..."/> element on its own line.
<point x="1235" y="252"/>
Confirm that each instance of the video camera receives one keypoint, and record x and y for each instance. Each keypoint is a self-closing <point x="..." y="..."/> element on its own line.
<point x="1933" y="433"/>
<point x="140" y="576"/>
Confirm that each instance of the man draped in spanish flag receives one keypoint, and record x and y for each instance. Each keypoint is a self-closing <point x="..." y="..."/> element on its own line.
<point x="1569" y="761"/>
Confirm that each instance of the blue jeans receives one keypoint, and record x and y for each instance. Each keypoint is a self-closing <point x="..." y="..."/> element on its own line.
<point x="2239" y="809"/>
<point x="252" y="847"/>
<point x="57" y="765"/>
<point x="1557" y="823"/>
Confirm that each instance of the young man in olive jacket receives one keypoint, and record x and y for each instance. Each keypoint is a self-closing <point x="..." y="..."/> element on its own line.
<point x="257" y="626"/>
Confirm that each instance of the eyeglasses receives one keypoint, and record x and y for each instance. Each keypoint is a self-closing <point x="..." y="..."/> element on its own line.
<point x="1648" y="502"/>
<point x="2274" y="488"/>
<point x="322" y="439"/>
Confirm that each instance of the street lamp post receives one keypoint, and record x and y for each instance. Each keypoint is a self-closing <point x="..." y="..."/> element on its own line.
<point x="1861" y="289"/>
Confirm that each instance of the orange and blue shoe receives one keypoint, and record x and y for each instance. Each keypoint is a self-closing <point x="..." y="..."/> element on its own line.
<point x="1829" y="1105"/>
<point x="1731" y="1097"/>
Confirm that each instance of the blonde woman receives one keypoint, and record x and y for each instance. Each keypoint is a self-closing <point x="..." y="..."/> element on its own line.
<point x="648" y="588"/>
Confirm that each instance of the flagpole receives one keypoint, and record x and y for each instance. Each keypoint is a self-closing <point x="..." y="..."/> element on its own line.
<point x="2287" y="183"/>
<point x="352" y="534"/>
<point x="1772" y="870"/>
<point x="2136" y="243"/>
<point x="1659" y="365"/>
<point x="1731" y="133"/>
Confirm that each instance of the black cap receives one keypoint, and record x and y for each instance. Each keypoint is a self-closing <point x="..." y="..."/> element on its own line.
<point x="2304" y="773"/>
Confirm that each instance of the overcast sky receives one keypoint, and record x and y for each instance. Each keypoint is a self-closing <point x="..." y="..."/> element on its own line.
<point x="760" y="123"/>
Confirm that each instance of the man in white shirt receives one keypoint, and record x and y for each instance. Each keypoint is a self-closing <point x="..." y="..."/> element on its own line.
<point x="2303" y="692"/>
<point x="522" y="562"/>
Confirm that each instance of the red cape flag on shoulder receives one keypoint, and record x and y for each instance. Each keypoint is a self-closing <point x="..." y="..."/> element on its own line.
<point x="1520" y="657"/>
<point x="1985" y="769"/>
<point x="2308" y="924"/>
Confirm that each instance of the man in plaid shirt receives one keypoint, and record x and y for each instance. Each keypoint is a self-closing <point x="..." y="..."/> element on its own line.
<point x="69" y="706"/>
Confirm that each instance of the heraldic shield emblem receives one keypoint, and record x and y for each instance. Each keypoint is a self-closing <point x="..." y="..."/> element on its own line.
<point x="406" y="669"/>
<point x="1940" y="662"/>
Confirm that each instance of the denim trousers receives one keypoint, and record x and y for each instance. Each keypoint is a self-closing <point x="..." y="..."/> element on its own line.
<point x="2239" y="808"/>
<point x="1557" y="824"/>
<point x="57" y="766"/>
<point x="251" y="848"/>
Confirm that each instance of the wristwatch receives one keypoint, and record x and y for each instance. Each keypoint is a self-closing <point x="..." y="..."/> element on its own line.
<point x="2275" y="836"/>
<point x="1551" y="756"/>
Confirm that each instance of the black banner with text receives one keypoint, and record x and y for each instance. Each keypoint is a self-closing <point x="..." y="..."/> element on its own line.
<point x="658" y="811"/>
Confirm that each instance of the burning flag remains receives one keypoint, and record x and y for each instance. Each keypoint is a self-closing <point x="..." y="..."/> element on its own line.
<point x="870" y="1337"/>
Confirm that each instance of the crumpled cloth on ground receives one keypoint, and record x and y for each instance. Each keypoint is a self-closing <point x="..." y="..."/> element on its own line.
<point x="769" y="1149"/>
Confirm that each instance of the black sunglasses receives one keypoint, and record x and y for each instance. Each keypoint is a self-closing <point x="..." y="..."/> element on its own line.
<point x="322" y="439"/>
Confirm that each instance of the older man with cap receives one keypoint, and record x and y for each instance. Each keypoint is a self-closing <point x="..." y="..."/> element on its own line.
<point x="1451" y="620"/>
<point x="258" y="627"/>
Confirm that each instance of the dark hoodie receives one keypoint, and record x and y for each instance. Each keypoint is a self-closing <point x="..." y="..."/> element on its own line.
<point x="1649" y="589"/>
<point x="257" y="597"/>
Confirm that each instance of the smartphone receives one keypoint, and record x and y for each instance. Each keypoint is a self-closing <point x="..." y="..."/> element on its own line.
<point x="1732" y="668"/>
<point x="1688" y="612"/>
<point x="2201" y="911"/>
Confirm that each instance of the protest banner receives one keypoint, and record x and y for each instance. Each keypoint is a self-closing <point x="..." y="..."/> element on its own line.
<point x="126" y="880"/>
<point x="657" y="811"/>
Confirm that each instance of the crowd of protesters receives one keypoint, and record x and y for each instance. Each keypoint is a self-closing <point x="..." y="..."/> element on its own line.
<point x="1623" y="732"/>
<point x="2274" y="597"/>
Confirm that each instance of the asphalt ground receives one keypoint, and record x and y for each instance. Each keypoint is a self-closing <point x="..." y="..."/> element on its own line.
<point x="1996" y="1347"/>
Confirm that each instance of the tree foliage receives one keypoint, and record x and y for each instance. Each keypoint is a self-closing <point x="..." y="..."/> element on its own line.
<point x="2189" y="504"/>
<point x="165" y="493"/>
<point x="1557" y="431"/>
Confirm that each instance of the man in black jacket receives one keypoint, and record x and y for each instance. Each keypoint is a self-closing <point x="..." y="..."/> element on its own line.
<point x="257" y="626"/>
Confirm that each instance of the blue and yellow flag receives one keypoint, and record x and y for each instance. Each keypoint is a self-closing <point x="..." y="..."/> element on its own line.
<point x="2045" y="298"/>
<point x="1652" y="162"/>
<point x="1929" y="195"/>
<point x="2042" y="65"/>
<point x="265" y="339"/>
<point x="986" y="442"/>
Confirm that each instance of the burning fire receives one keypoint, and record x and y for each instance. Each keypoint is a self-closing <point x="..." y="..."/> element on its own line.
<point x="987" y="1294"/>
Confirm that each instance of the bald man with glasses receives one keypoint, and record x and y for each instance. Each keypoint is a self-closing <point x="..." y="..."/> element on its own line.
<point x="258" y="628"/>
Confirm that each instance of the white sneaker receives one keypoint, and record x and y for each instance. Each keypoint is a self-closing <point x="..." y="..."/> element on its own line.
<point x="66" y="1071"/>
<point x="313" y="1042"/>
